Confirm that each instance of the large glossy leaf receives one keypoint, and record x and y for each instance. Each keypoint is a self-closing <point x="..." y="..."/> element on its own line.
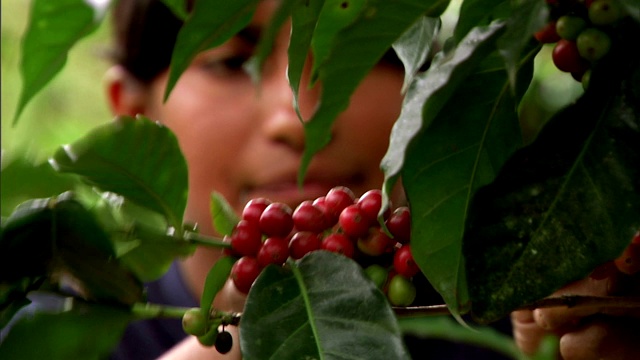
<point x="136" y="158"/>
<point x="55" y="236"/>
<point x="178" y="7"/>
<point x="564" y="204"/>
<point x="323" y="307"/>
<point x="415" y="45"/>
<point x="54" y="28"/>
<point x="62" y="328"/>
<point x="211" y="23"/>
<point x="351" y="53"/>
<point x="478" y="13"/>
<point x="430" y="91"/>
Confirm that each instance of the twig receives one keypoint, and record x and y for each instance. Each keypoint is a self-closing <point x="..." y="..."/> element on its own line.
<point x="569" y="301"/>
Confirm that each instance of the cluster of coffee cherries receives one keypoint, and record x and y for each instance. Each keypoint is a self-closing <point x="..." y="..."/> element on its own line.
<point x="195" y="322"/>
<point x="581" y="31"/>
<point x="272" y="232"/>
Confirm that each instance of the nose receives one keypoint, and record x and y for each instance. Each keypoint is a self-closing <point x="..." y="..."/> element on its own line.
<point x="280" y="122"/>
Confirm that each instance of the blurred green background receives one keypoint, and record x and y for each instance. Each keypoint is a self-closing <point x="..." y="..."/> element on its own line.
<point x="74" y="102"/>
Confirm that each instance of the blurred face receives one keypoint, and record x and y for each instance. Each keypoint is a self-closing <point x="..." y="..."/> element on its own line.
<point x="245" y="140"/>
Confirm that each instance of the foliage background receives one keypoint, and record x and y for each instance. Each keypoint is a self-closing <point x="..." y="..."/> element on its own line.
<point x="74" y="103"/>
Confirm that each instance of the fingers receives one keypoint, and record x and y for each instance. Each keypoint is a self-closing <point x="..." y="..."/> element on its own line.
<point x="526" y="332"/>
<point x="603" y="339"/>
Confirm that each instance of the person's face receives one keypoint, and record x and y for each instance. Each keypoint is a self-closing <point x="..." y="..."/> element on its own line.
<point x="245" y="141"/>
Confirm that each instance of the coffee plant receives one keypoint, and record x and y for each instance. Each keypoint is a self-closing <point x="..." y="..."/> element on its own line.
<point x="492" y="224"/>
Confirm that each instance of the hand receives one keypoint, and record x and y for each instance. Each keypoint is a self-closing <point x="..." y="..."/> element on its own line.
<point x="191" y="349"/>
<point x="587" y="332"/>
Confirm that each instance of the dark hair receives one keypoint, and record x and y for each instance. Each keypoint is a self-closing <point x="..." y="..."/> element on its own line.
<point x="145" y="33"/>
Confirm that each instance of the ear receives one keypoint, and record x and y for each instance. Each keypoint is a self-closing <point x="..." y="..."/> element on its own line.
<point x="126" y="95"/>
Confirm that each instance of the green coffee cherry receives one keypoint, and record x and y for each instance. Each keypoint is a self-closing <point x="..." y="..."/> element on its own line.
<point x="377" y="274"/>
<point x="194" y="322"/>
<point x="401" y="292"/>
<point x="605" y="12"/>
<point x="570" y="26"/>
<point x="593" y="44"/>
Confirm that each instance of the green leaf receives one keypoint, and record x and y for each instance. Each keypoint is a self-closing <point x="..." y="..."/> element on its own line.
<point x="430" y="91"/>
<point x="344" y="58"/>
<point x="564" y="204"/>
<point x="211" y="23"/>
<point x="54" y="28"/>
<point x="178" y="7"/>
<point x="632" y="7"/>
<point x="81" y="332"/>
<point x="323" y="307"/>
<point x="223" y="215"/>
<point x="54" y="236"/>
<point x="267" y="38"/>
<point x="414" y="46"/>
<point x="135" y="158"/>
<point x="216" y="278"/>
<point x="304" y="17"/>
<point x="527" y="18"/>
<point x="478" y="13"/>
<point x="445" y="328"/>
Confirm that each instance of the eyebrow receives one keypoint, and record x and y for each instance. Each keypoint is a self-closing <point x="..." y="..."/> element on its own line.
<point x="250" y="34"/>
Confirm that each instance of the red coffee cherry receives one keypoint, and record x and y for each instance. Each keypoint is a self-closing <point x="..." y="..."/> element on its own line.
<point x="566" y="57"/>
<point x="302" y="243"/>
<point x="548" y="33"/>
<point x="376" y="244"/>
<point x="338" y="243"/>
<point x="337" y="199"/>
<point x="253" y="209"/>
<point x="276" y="220"/>
<point x="308" y="217"/>
<point x="244" y="272"/>
<point x="274" y="250"/>
<point x="370" y="203"/>
<point x="629" y="261"/>
<point x="403" y="262"/>
<point x="246" y="238"/>
<point x="353" y="223"/>
<point x="399" y="224"/>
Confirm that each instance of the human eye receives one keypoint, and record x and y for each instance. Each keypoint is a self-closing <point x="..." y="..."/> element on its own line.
<point x="224" y="65"/>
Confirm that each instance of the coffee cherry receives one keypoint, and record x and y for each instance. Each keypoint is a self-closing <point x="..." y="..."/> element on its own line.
<point x="569" y="26"/>
<point x="224" y="342"/>
<point x="370" y="203"/>
<point x="244" y="272"/>
<point x="403" y="262"/>
<point x="377" y="274"/>
<point x="330" y="220"/>
<point x="308" y="217"/>
<point x="399" y="224"/>
<point x="593" y="44"/>
<point x="302" y="243"/>
<point x="548" y="33"/>
<point x="246" y="238"/>
<point x="353" y="223"/>
<point x="629" y="261"/>
<point x="338" y="243"/>
<point x="276" y="220"/>
<point x="401" y="291"/>
<point x="253" y="209"/>
<point x="376" y="244"/>
<point x="194" y="322"/>
<point x="605" y="12"/>
<point x="566" y="57"/>
<point x="274" y="250"/>
<point x="337" y="199"/>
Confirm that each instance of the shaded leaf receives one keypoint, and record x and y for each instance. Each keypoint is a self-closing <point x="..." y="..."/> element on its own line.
<point x="211" y="23"/>
<point x="135" y="158"/>
<point x="478" y="13"/>
<point x="54" y="28"/>
<point x="414" y="46"/>
<point x="223" y="216"/>
<point x="323" y="307"/>
<point x="95" y="330"/>
<point x="178" y="7"/>
<point x="303" y="23"/>
<point x="216" y="278"/>
<point x="348" y="56"/>
<point x="564" y="204"/>
<point x="632" y="8"/>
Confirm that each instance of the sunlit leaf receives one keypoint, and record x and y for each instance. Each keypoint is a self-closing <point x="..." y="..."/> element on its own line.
<point x="348" y="56"/>
<point x="564" y="204"/>
<point x="324" y="307"/>
<point x="211" y="23"/>
<point x="415" y="45"/>
<point x="216" y="278"/>
<point x="223" y="215"/>
<point x="136" y="158"/>
<point x="72" y="330"/>
<point x="54" y="28"/>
